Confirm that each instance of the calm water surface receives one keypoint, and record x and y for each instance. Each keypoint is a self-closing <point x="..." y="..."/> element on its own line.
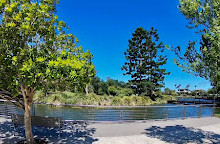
<point x="115" y="114"/>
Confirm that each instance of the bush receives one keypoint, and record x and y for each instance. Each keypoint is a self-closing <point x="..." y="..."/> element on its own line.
<point x="147" y="100"/>
<point x="116" y="101"/>
<point x="126" y="100"/>
<point x="112" y="90"/>
<point x="174" y="93"/>
<point x="92" y="99"/>
<point x="55" y="98"/>
<point x="39" y="96"/>
<point x="125" y="92"/>
<point x="101" y="91"/>
<point x="67" y="97"/>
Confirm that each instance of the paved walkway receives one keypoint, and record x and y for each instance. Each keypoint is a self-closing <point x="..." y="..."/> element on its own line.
<point x="192" y="130"/>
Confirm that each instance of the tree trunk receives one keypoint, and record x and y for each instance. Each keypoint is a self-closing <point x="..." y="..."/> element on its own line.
<point x="28" y="96"/>
<point x="87" y="89"/>
<point x="27" y="123"/>
<point x="152" y="95"/>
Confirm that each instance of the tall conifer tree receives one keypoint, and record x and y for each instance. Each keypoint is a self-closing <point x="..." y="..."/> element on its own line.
<point x="143" y="62"/>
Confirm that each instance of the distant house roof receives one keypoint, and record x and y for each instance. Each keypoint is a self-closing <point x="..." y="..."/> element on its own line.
<point x="183" y="91"/>
<point x="199" y="90"/>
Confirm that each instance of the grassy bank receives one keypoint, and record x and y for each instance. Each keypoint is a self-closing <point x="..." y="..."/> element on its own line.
<point x="93" y="99"/>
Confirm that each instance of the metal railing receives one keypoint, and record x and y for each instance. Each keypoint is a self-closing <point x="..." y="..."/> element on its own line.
<point x="140" y="113"/>
<point x="7" y="109"/>
<point x="116" y="113"/>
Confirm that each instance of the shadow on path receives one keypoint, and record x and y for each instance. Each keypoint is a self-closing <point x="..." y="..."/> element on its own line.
<point x="180" y="134"/>
<point x="71" y="133"/>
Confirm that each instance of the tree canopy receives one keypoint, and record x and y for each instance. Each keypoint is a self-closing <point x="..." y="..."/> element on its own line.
<point x="110" y="87"/>
<point x="36" y="51"/>
<point x="203" y="61"/>
<point x="144" y="59"/>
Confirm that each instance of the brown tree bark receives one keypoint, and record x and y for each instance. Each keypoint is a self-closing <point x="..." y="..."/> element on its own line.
<point x="27" y="124"/>
<point x="28" y="96"/>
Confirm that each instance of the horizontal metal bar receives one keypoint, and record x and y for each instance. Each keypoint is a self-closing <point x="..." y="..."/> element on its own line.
<point x="86" y="114"/>
<point x="98" y="106"/>
<point x="107" y="116"/>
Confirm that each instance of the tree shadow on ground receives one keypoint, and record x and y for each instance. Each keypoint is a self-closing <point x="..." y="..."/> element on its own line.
<point x="180" y="134"/>
<point x="70" y="133"/>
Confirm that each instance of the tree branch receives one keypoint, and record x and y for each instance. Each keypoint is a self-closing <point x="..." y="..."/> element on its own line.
<point x="13" y="100"/>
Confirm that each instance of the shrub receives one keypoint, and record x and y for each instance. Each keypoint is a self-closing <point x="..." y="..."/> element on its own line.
<point x="55" y="98"/>
<point x="126" y="100"/>
<point x="39" y="96"/>
<point x="112" y="90"/>
<point x="116" y="101"/>
<point x="93" y="99"/>
<point x="125" y="92"/>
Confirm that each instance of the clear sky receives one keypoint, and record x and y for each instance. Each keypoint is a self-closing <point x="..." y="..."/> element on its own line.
<point x="105" y="26"/>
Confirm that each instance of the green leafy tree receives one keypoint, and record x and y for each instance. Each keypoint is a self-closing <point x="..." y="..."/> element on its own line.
<point x="167" y="91"/>
<point x="199" y="93"/>
<point x="111" y="82"/>
<point x="96" y="84"/>
<point x="173" y="93"/>
<point x="101" y="87"/>
<point x="36" y="51"/>
<point x="144" y="61"/>
<point x="203" y="61"/>
<point x="125" y="92"/>
<point x="210" y="91"/>
<point x="112" y="90"/>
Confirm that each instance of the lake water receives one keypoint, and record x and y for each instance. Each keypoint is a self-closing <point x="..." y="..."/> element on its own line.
<point x="116" y="114"/>
<point x="195" y="100"/>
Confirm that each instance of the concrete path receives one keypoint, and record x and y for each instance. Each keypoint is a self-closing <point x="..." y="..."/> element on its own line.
<point x="192" y="130"/>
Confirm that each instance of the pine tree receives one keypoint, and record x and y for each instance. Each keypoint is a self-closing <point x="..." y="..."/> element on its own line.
<point x="143" y="62"/>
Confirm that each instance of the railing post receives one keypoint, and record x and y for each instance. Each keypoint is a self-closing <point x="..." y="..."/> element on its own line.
<point x="62" y="113"/>
<point x="213" y="111"/>
<point x="6" y="111"/>
<point x="184" y="112"/>
<point x="93" y="115"/>
<point x="166" y="114"/>
<point x="145" y="116"/>
<point x="200" y="111"/>
<point x="120" y="114"/>
<point x="34" y="109"/>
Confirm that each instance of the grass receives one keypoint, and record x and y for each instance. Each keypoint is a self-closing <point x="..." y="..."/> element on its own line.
<point x="217" y="115"/>
<point x="67" y="97"/>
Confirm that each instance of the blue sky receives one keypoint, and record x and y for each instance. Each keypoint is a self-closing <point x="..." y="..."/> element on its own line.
<point x="105" y="26"/>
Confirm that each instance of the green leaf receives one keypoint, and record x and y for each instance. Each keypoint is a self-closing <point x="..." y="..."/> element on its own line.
<point x="40" y="59"/>
<point x="14" y="58"/>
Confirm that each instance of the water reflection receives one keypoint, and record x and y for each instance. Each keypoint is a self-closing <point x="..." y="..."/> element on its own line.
<point x="116" y="114"/>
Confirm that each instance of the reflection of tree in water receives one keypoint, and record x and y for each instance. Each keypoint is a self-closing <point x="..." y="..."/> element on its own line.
<point x="107" y="114"/>
<point x="66" y="112"/>
<point x="143" y="113"/>
<point x="48" y="110"/>
<point x="217" y="111"/>
<point x="113" y="114"/>
<point x="156" y="113"/>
